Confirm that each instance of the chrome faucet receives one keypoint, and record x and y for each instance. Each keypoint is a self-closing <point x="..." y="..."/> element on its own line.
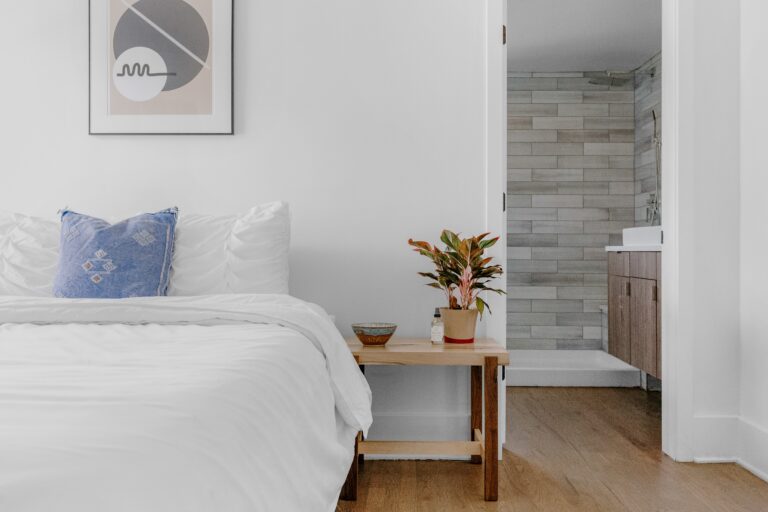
<point x="652" y="210"/>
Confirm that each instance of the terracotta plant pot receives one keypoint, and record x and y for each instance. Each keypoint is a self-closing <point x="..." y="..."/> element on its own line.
<point x="459" y="325"/>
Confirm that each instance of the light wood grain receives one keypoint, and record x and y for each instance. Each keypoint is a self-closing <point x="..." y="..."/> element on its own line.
<point x="618" y="263"/>
<point x="457" y="448"/>
<point x="484" y="356"/>
<point x="643" y="265"/>
<point x="476" y="397"/>
<point x="568" y="450"/>
<point x="416" y="351"/>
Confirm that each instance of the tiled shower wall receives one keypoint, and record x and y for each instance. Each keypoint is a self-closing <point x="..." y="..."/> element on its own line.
<point x="647" y="99"/>
<point x="571" y="191"/>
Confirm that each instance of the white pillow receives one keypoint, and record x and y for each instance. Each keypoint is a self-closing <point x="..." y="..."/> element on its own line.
<point x="245" y="253"/>
<point x="29" y="255"/>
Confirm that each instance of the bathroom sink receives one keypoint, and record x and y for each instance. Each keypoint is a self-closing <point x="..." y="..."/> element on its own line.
<point x="650" y="235"/>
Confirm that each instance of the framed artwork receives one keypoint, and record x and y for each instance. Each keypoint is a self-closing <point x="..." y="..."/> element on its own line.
<point x="161" y="67"/>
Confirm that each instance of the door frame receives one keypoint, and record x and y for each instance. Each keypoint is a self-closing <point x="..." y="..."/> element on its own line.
<point x="676" y="337"/>
<point x="495" y="137"/>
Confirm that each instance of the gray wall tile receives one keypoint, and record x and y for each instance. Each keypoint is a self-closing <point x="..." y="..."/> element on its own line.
<point x="519" y="123"/>
<point x="583" y="162"/>
<point x="609" y="97"/>
<point x="532" y="213"/>
<point x="557" y="227"/>
<point x="618" y="148"/>
<point x="583" y="214"/>
<point x="532" y="266"/>
<point x="518" y="96"/>
<point x="532" y="292"/>
<point x="557" y="306"/>
<point x="585" y="292"/>
<point x="573" y="149"/>
<point x="542" y="331"/>
<point x="557" y="97"/>
<point x="558" y="175"/>
<point x="517" y="175"/>
<point x="518" y="306"/>
<point x="557" y="200"/>
<point x="532" y="135"/>
<point x="558" y="123"/>
<point x="519" y="253"/>
<point x="581" y="319"/>
<point x="583" y="267"/>
<point x="557" y="253"/>
<point x="531" y="84"/>
<point x="584" y="135"/>
<point x="531" y="109"/>
<point x="557" y="148"/>
<point x="533" y="162"/>
<point x="582" y="109"/>
<point x="533" y="318"/>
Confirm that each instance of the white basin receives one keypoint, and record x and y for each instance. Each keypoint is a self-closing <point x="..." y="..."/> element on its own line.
<point x="650" y="235"/>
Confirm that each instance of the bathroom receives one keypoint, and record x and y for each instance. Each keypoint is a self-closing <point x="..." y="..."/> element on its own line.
<point x="584" y="116"/>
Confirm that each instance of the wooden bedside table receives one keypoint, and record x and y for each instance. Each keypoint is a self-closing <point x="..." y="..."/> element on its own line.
<point x="484" y="357"/>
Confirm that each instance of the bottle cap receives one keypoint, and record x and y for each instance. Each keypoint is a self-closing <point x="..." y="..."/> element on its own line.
<point x="437" y="312"/>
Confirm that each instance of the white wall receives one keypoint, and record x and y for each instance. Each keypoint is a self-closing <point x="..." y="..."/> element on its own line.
<point x="714" y="266"/>
<point x="368" y="117"/>
<point x="753" y="446"/>
<point x="701" y="224"/>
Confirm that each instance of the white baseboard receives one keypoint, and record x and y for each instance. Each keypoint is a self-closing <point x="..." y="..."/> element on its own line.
<point x="715" y="438"/>
<point x="569" y="368"/>
<point x="731" y="439"/>
<point x="753" y="448"/>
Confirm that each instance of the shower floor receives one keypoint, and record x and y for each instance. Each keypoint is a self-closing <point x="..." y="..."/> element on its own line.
<point x="569" y="368"/>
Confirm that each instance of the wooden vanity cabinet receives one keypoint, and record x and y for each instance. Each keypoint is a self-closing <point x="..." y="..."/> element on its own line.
<point x="634" y="312"/>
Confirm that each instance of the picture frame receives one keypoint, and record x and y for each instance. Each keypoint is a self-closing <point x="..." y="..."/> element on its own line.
<point x="161" y="67"/>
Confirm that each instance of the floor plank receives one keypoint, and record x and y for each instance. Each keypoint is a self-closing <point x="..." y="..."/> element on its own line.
<point x="568" y="449"/>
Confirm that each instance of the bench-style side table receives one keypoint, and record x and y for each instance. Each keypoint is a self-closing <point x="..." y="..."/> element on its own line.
<point x="484" y="357"/>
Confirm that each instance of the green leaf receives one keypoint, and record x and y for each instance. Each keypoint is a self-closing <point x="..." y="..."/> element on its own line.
<point x="480" y="305"/>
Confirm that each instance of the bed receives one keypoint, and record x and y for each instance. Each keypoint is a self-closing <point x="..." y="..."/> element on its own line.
<point x="217" y="402"/>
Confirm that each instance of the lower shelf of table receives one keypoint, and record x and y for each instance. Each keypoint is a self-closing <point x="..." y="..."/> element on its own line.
<point x="455" y="448"/>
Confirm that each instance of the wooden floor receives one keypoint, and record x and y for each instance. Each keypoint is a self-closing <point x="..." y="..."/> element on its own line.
<point x="568" y="449"/>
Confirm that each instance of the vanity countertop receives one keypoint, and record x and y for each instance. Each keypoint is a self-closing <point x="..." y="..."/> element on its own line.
<point x="631" y="248"/>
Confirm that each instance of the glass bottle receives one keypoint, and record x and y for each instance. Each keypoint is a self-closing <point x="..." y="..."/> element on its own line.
<point x="438" y="329"/>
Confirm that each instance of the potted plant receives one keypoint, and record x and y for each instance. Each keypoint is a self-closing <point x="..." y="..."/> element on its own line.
<point x="462" y="272"/>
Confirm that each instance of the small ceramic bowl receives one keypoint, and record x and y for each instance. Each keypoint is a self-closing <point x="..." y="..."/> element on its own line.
<point x="374" y="333"/>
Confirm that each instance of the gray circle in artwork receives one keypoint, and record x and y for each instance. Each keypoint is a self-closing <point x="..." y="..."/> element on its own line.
<point x="176" y="18"/>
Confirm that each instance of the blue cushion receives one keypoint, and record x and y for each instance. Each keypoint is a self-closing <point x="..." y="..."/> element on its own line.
<point x="99" y="260"/>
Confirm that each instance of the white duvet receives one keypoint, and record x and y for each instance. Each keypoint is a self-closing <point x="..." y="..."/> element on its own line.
<point x="196" y="404"/>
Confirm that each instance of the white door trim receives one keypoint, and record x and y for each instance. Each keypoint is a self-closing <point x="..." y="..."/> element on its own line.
<point x="677" y="335"/>
<point x="496" y="173"/>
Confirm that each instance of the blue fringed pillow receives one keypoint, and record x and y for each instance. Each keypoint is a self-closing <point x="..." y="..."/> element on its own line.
<point x="99" y="260"/>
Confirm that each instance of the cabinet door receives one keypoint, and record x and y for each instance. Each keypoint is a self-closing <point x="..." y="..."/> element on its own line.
<point x="619" y="318"/>
<point x="643" y="295"/>
<point x="618" y="263"/>
<point x="643" y="265"/>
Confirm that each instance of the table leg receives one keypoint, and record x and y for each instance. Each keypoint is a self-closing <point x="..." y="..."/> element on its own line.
<point x="490" y="432"/>
<point x="349" y="490"/>
<point x="476" y="421"/>
<point x="361" y="457"/>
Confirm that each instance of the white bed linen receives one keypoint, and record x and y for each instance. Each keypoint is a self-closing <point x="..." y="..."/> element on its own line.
<point x="215" y="403"/>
